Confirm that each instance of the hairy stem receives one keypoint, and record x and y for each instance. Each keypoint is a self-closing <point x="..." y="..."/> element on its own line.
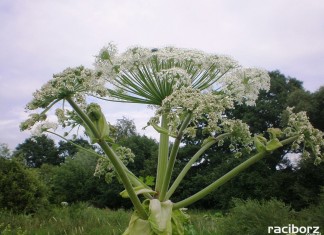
<point x="173" y="155"/>
<point x="117" y="163"/>
<point x="185" y="170"/>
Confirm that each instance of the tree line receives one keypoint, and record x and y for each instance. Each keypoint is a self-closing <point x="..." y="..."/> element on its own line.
<point x="40" y="173"/>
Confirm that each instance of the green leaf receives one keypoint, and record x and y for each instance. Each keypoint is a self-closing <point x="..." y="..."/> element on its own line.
<point x="273" y="144"/>
<point x="160" y="216"/>
<point x="138" y="190"/>
<point x="148" y="180"/>
<point x="259" y="143"/>
<point x="137" y="226"/>
<point x="179" y="220"/>
<point x="274" y="132"/>
<point x="98" y="119"/>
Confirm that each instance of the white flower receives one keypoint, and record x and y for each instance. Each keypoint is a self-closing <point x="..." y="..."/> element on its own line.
<point x="309" y="139"/>
<point x="72" y="81"/>
<point x="149" y="76"/>
<point x="42" y="127"/>
<point x="244" y="84"/>
<point x="64" y="204"/>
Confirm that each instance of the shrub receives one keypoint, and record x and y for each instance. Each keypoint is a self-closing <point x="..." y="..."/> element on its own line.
<point x="20" y="188"/>
<point x="314" y="215"/>
<point x="253" y="217"/>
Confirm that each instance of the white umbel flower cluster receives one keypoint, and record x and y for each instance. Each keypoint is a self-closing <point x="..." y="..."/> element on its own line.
<point x="244" y="84"/>
<point x="148" y="76"/>
<point x="71" y="82"/>
<point x="202" y="106"/>
<point x="43" y="127"/>
<point x="146" y="73"/>
<point x="310" y="140"/>
<point x="111" y="63"/>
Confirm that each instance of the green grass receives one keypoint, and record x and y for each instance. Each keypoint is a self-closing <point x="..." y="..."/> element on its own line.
<point x="75" y="219"/>
<point x="83" y="219"/>
<point x="246" y="217"/>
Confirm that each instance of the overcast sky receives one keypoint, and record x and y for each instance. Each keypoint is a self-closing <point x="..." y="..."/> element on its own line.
<point x="42" y="37"/>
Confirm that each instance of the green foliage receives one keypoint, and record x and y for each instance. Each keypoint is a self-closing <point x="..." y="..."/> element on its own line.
<point x="145" y="150"/>
<point x="252" y="217"/>
<point x="38" y="150"/>
<point x="4" y="151"/>
<point x="20" y="188"/>
<point x="74" y="181"/>
<point x="67" y="149"/>
<point x="317" y="113"/>
<point x="314" y="215"/>
<point x="124" y="128"/>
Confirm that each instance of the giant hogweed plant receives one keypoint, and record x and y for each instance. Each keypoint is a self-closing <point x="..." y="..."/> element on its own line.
<point x="184" y="87"/>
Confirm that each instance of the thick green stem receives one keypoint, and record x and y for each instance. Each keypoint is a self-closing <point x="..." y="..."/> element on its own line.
<point x="163" y="155"/>
<point x="191" y="162"/>
<point x="228" y="176"/>
<point x="117" y="163"/>
<point x="173" y="156"/>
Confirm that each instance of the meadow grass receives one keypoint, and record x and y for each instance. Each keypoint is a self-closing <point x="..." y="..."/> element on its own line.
<point x="75" y="219"/>
<point x="246" y="217"/>
<point x="83" y="219"/>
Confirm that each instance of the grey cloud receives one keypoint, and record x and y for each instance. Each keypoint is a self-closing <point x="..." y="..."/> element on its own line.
<point x="39" y="38"/>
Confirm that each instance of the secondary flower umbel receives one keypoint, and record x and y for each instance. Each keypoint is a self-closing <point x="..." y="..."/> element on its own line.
<point x="72" y="81"/>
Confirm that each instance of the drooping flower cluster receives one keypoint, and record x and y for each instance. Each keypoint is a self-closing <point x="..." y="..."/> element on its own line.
<point x="42" y="127"/>
<point x="310" y="140"/>
<point x="72" y="81"/>
<point x="30" y="122"/>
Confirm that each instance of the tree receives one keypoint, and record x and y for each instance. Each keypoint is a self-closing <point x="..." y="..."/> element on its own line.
<point x="39" y="150"/>
<point x="20" y="188"/>
<point x="69" y="149"/>
<point x="4" y="151"/>
<point x="74" y="181"/>
<point x="124" y="128"/>
<point x="317" y="113"/>
<point x="145" y="150"/>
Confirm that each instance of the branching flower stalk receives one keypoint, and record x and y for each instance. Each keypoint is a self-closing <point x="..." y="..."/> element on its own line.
<point x="186" y="88"/>
<point x="112" y="157"/>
